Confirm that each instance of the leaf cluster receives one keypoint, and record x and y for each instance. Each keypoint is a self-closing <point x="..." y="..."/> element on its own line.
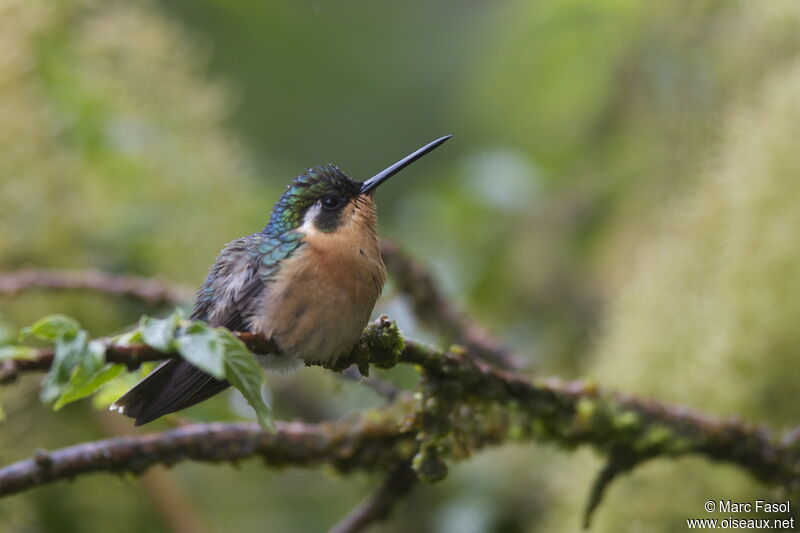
<point x="80" y="369"/>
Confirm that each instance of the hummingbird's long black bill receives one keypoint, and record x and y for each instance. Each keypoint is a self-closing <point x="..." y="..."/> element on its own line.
<point x="384" y="175"/>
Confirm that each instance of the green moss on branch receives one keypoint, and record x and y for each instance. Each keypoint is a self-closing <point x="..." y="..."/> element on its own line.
<point x="460" y="406"/>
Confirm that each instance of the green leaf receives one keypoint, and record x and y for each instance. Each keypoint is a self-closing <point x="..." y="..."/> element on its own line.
<point x="2" y="414"/>
<point x="245" y="374"/>
<point x="201" y="345"/>
<point x="94" y="357"/>
<point x="160" y="333"/>
<point x="50" y="328"/>
<point x="17" y="352"/>
<point x="129" y="337"/>
<point x="87" y="376"/>
<point x="82" y="384"/>
<point x="71" y="346"/>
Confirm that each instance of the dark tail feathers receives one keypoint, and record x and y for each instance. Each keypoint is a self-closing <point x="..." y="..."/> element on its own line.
<point x="173" y="386"/>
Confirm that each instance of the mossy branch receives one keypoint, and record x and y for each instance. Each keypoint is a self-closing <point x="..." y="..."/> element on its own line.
<point x="461" y="406"/>
<point x="365" y="443"/>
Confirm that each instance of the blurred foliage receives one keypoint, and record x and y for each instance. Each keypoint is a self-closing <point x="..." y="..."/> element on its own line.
<point x="114" y="148"/>
<point x="622" y="183"/>
<point x="709" y="317"/>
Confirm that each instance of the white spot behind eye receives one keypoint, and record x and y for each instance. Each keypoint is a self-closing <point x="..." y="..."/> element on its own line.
<point x="312" y="213"/>
<point x="308" y="227"/>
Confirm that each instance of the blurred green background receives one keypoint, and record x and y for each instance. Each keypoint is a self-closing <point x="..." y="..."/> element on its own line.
<point x="620" y="200"/>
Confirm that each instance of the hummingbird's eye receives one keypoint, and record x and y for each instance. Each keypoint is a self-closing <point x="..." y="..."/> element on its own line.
<point x="331" y="202"/>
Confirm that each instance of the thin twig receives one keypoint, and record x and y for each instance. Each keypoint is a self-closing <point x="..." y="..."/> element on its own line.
<point x="377" y="506"/>
<point x="148" y="290"/>
<point x="131" y="356"/>
<point x="433" y="309"/>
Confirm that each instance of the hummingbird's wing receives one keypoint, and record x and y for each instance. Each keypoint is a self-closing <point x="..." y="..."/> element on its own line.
<point x="229" y="288"/>
<point x="229" y="296"/>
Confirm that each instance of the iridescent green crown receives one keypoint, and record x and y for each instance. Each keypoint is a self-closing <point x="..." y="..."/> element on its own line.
<point x="303" y="191"/>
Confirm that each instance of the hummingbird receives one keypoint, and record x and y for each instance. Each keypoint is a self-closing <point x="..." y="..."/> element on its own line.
<point x="309" y="281"/>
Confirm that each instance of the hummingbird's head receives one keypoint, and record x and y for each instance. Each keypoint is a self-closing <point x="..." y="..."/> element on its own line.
<point x="324" y="199"/>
